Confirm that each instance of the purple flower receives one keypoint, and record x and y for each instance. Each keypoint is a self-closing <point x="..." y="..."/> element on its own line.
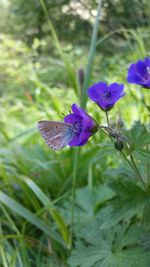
<point x="106" y="95"/>
<point x="139" y="73"/>
<point x="83" y="126"/>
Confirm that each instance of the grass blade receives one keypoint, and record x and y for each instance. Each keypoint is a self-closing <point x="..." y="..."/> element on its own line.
<point x="83" y="104"/>
<point x="50" y="206"/>
<point x="30" y="217"/>
<point x="89" y="66"/>
<point x="68" y="65"/>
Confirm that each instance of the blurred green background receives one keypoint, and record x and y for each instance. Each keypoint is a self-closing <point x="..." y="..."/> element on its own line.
<point x="39" y="63"/>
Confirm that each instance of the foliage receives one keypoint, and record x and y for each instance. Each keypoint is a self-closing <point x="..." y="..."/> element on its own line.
<point x="73" y="21"/>
<point x="115" y="247"/>
<point x="38" y="80"/>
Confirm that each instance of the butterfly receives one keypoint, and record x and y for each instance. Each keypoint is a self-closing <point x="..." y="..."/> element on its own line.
<point x="56" y="134"/>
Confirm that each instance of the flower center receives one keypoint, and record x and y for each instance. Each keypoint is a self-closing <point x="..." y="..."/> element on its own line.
<point x="146" y="78"/>
<point x="106" y="95"/>
<point x="148" y="70"/>
<point x="77" y="127"/>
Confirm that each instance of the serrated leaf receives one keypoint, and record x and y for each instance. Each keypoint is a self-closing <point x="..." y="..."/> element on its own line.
<point x="105" y="149"/>
<point x="114" y="247"/>
<point x="142" y="154"/>
<point x="145" y="240"/>
<point x="88" y="198"/>
<point x="122" y="172"/>
<point x="87" y="203"/>
<point x="138" y="136"/>
<point x="130" y="201"/>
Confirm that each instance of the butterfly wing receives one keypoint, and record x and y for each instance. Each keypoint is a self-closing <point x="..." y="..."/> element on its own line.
<point x="56" y="134"/>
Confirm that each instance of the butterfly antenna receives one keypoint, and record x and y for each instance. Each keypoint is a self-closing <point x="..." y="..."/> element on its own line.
<point x="62" y="114"/>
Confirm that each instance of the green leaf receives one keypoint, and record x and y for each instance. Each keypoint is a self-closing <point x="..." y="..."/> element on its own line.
<point x="138" y="137"/>
<point x="130" y="201"/>
<point x="29" y="216"/>
<point x="124" y="172"/>
<point x="89" y="198"/>
<point x="142" y="154"/>
<point x="88" y="201"/>
<point x="114" y="247"/>
<point x="49" y="205"/>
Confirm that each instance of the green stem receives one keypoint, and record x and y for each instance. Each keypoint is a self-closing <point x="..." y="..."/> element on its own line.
<point x="83" y="101"/>
<point x="133" y="167"/>
<point x="148" y="164"/>
<point x="75" y="169"/>
<point x="137" y="171"/>
<point x="89" y="66"/>
<point x="3" y="256"/>
<point x="148" y="172"/>
<point x="90" y="177"/>
<point x="107" y="118"/>
<point x="128" y="161"/>
<point x="133" y="164"/>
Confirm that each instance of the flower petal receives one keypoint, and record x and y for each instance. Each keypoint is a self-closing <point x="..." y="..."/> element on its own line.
<point x="84" y="137"/>
<point x="76" y="109"/>
<point x="106" y="96"/>
<point x="72" y="118"/>
<point x="116" y="88"/>
<point x="147" y="61"/>
<point x="74" y="141"/>
<point x="82" y="125"/>
<point x="95" y="90"/>
<point x="139" y="73"/>
<point x="141" y="68"/>
<point x="87" y="120"/>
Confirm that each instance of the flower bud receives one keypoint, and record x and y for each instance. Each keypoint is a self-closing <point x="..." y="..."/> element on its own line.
<point x="118" y="145"/>
<point x="81" y="77"/>
<point x="119" y="122"/>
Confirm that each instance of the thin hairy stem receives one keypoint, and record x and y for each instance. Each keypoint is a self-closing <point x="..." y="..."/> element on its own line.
<point x="107" y="118"/>
<point x="133" y="167"/>
<point x="137" y="171"/>
<point x="83" y="101"/>
<point x="132" y="163"/>
<point x="75" y="169"/>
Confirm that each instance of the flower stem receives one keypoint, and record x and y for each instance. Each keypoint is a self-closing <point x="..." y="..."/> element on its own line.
<point x="133" y="167"/>
<point x="107" y="118"/>
<point x="148" y="164"/>
<point x="75" y="168"/>
<point x="132" y="163"/>
<point x="137" y="171"/>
